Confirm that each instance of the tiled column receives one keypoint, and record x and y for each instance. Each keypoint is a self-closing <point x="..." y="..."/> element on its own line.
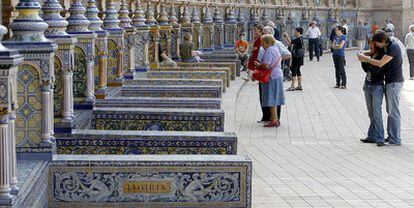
<point x="254" y="19"/>
<point x="9" y="59"/>
<point x="115" y="45"/>
<point x="101" y="47"/>
<point x="218" y="30"/>
<point x="185" y="22"/>
<point x="83" y="90"/>
<point x="142" y="33"/>
<point x="165" y="31"/>
<point x="130" y="41"/>
<point x="63" y="96"/>
<point x="35" y="116"/>
<point x="241" y="24"/>
<point x="230" y="28"/>
<point x="175" y="33"/>
<point x="197" y="28"/>
<point x="153" y="38"/>
<point x="208" y="30"/>
<point x="265" y="17"/>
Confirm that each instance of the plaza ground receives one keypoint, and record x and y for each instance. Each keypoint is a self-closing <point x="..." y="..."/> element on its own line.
<point x="315" y="158"/>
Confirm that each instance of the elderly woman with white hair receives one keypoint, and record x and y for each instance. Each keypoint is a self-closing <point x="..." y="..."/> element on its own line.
<point x="272" y="92"/>
<point x="409" y="45"/>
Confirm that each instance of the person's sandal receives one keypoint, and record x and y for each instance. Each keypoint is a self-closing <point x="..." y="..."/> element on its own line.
<point x="299" y="88"/>
<point x="291" y="89"/>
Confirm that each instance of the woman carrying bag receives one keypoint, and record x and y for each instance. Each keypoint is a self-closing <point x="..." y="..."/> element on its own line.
<point x="297" y="60"/>
<point x="271" y="91"/>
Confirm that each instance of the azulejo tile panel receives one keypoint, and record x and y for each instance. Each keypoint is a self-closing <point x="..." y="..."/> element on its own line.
<point x="231" y="65"/>
<point x="29" y="113"/>
<point x="112" y="60"/>
<point x="187" y="69"/>
<point x="139" y="143"/>
<point x="58" y="89"/>
<point x="188" y="75"/>
<point x="162" y="181"/>
<point x="159" y="102"/>
<point x="157" y="119"/>
<point x="79" y="74"/>
<point x="170" y="91"/>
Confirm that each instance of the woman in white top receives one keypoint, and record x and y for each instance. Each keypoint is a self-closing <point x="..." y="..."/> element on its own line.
<point x="409" y="45"/>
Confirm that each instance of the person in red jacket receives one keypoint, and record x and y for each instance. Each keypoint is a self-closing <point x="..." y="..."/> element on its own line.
<point x="256" y="47"/>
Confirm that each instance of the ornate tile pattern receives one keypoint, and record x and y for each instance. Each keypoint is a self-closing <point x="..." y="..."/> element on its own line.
<point x="29" y="113"/>
<point x="58" y="88"/>
<point x="178" y="181"/>
<point x="159" y="120"/>
<point x="188" y="75"/>
<point x="160" y="102"/>
<point x="112" y="59"/>
<point x="79" y="74"/>
<point x="171" y="91"/>
<point x="139" y="143"/>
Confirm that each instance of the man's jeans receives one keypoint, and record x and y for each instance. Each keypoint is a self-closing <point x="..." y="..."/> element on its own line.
<point x="373" y="98"/>
<point x="392" y="98"/>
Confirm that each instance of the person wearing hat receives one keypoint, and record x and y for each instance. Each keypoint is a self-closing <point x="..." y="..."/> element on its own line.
<point x="409" y="45"/>
<point x="313" y="34"/>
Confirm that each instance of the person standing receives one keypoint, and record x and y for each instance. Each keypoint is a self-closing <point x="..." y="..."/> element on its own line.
<point x="272" y="92"/>
<point x="361" y="36"/>
<point x="241" y="49"/>
<point x="285" y="55"/>
<point x="374" y="93"/>
<point x="339" y="57"/>
<point x="313" y="34"/>
<point x="391" y="63"/>
<point x="297" y="60"/>
<point x="345" y="27"/>
<point x="409" y="45"/>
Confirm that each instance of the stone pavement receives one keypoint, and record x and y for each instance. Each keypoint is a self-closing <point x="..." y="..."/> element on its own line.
<point x="315" y="158"/>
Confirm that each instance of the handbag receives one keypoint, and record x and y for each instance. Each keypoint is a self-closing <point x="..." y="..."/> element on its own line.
<point x="262" y="73"/>
<point x="299" y="53"/>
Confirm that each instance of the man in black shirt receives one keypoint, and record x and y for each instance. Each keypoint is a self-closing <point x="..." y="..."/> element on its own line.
<point x="391" y="63"/>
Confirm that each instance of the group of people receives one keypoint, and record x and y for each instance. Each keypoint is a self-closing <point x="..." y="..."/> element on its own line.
<point x="268" y="52"/>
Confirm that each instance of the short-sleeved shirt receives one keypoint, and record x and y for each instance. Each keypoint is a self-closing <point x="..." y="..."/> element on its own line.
<point x="185" y="50"/>
<point x="255" y="54"/>
<point x="272" y="57"/>
<point x="341" y="51"/>
<point x="242" y="45"/>
<point x="284" y="51"/>
<point x="393" y="70"/>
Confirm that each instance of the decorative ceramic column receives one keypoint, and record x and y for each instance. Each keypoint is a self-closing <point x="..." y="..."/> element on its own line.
<point x="153" y="38"/>
<point x="175" y="33"/>
<point x="265" y="17"/>
<point x="130" y="42"/>
<point x="63" y="97"/>
<point x="34" y="122"/>
<point x="115" y="45"/>
<point x="280" y="24"/>
<point x="142" y="36"/>
<point x="290" y="25"/>
<point x="241" y="24"/>
<point x="9" y="59"/>
<point x="83" y="73"/>
<point x="254" y="19"/>
<point x="197" y="28"/>
<point x="165" y="31"/>
<point x="218" y="30"/>
<point x="101" y="50"/>
<point x="208" y="30"/>
<point x="185" y="22"/>
<point x="230" y="28"/>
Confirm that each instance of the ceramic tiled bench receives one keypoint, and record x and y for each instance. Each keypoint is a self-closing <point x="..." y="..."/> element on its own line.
<point x="150" y="181"/>
<point x="231" y="65"/>
<point x="169" y="91"/>
<point x="198" y="68"/>
<point x="160" y="102"/>
<point x="155" y="119"/>
<point x="188" y="82"/>
<point x="189" y="75"/>
<point x="146" y="142"/>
